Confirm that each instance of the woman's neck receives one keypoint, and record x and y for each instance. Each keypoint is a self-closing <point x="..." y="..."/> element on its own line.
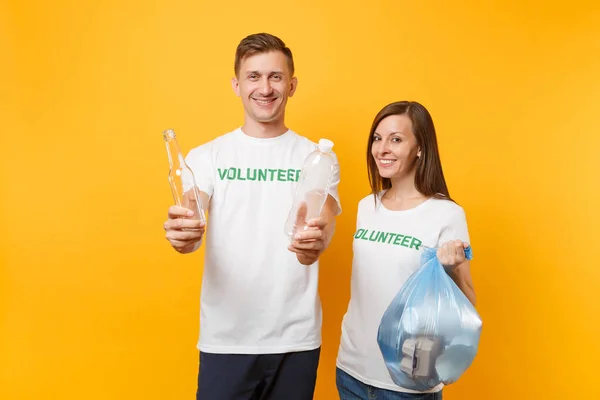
<point x="403" y="195"/>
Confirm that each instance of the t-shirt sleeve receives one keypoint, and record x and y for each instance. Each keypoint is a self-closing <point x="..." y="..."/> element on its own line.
<point x="334" y="185"/>
<point x="201" y="164"/>
<point x="455" y="228"/>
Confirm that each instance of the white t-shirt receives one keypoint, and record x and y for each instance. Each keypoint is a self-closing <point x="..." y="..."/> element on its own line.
<point x="387" y="249"/>
<point x="256" y="297"/>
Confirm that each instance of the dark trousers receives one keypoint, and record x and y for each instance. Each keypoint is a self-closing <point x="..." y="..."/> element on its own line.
<point x="287" y="376"/>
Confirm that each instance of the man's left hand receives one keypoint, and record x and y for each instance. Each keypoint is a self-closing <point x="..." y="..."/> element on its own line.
<point x="309" y="243"/>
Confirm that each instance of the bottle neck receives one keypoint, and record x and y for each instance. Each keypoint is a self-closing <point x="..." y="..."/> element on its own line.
<point x="174" y="152"/>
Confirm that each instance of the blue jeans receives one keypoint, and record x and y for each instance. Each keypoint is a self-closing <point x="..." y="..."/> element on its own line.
<point x="353" y="389"/>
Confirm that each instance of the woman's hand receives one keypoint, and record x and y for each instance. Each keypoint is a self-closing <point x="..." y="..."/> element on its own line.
<point x="452" y="254"/>
<point x="452" y="257"/>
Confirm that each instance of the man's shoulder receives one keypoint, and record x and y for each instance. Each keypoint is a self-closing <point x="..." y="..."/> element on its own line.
<point x="300" y="138"/>
<point x="215" y="143"/>
<point x="303" y="142"/>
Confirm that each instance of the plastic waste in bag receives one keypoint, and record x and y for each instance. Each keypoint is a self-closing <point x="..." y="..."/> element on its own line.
<point x="430" y="332"/>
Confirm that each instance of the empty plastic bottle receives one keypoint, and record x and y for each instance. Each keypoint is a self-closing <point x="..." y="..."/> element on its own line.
<point x="312" y="187"/>
<point x="181" y="178"/>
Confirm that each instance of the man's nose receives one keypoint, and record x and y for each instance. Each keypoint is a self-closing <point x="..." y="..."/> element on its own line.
<point x="265" y="88"/>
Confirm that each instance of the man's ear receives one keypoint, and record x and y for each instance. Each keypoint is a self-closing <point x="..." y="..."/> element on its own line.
<point x="235" y="85"/>
<point x="293" y="86"/>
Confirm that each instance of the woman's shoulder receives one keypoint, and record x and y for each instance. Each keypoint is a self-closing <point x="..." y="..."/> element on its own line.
<point x="444" y="210"/>
<point x="370" y="200"/>
<point x="445" y="205"/>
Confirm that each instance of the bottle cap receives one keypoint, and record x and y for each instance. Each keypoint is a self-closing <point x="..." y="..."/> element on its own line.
<point x="169" y="134"/>
<point x="325" y="145"/>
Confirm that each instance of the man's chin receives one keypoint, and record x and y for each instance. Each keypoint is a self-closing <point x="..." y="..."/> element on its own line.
<point x="265" y="119"/>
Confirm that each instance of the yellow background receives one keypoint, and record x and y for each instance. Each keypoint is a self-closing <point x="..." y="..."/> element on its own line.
<point x="94" y="304"/>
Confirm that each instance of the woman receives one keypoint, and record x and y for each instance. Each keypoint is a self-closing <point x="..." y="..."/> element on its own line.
<point x="409" y="208"/>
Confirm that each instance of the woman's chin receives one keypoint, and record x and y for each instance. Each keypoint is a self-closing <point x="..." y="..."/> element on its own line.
<point x="386" y="173"/>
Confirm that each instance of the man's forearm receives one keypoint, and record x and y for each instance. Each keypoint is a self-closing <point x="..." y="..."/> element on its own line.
<point x="329" y="215"/>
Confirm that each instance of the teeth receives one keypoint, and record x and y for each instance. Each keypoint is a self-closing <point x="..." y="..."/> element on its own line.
<point x="263" y="102"/>
<point x="386" y="161"/>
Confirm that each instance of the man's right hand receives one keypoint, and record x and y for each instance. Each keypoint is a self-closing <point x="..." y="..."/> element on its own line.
<point x="184" y="234"/>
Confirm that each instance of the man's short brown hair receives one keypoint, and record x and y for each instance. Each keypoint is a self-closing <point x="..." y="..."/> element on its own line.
<point x="261" y="43"/>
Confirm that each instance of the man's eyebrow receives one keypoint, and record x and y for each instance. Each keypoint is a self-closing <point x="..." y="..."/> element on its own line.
<point x="270" y="73"/>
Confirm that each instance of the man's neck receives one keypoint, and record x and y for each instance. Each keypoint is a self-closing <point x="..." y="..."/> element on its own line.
<point x="264" y="130"/>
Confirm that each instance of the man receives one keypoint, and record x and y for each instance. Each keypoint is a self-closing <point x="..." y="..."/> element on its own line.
<point x="260" y="312"/>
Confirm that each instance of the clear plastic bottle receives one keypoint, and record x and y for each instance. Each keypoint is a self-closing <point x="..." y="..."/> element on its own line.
<point x="312" y="188"/>
<point x="181" y="178"/>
